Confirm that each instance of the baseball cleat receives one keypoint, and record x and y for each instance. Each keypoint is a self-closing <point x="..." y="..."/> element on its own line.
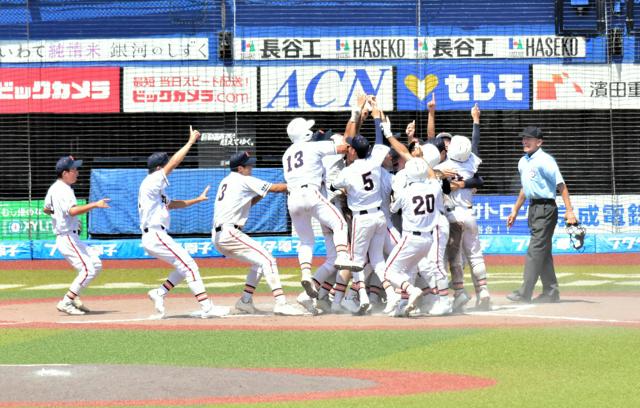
<point x="69" y="308"/>
<point x="285" y="309"/>
<point x="245" y="307"/>
<point x="323" y="305"/>
<point x="483" y="300"/>
<point x="392" y="302"/>
<point x="398" y="310"/>
<point x="213" y="311"/>
<point x="157" y="299"/>
<point x="441" y="307"/>
<point x="460" y="299"/>
<point x="309" y="304"/>
<point x="309" y="287"/>
<point x="79" y="305"/>
<point x="414" y="295"/>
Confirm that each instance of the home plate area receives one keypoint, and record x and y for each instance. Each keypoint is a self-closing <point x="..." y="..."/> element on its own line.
<point x="137" y="311"/>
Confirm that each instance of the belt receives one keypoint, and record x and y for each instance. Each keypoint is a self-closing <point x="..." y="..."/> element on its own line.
<point x="542" y="201"/>
<point x="420" y="233"/>
<point x="369" y="211"/>
<point x="147" y="229"/>
<point x="219" y="227"/>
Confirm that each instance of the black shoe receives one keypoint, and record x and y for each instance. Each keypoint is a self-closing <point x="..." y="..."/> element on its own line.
<point x="517" y="297"/>
<point x="551" y="297"/>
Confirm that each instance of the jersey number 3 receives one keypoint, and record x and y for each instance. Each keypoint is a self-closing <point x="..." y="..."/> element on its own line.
<point x="423" y="204"/>
<point x="297" y="163"/>
<point x="222" y="190"/>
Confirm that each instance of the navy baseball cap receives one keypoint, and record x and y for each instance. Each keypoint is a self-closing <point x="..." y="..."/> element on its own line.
<point x="242" y="158"/>
<point x="531" y="131"/>
<point x="444" y="135"/>
<point x="157" y="159"/>
<point x="360" y="144"/>
<point x="439" y="143"/>
<point x="67" y="163"/>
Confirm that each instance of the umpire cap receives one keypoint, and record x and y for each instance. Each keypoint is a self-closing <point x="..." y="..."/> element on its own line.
<point x="532" y="131"/>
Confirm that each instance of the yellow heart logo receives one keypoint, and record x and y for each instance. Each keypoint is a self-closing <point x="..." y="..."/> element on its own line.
<point x="421" y="87"/>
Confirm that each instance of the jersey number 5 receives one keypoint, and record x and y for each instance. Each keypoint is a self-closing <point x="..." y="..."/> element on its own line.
<point x="423" y="204"/>
<point x="367" y="181"/>
<point x="298" y="161"/>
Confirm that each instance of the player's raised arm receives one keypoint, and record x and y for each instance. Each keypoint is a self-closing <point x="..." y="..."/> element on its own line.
<point x="179" y="156"/>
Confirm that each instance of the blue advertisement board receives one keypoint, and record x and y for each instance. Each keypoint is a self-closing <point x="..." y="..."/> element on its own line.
<point x="458" y="86"/>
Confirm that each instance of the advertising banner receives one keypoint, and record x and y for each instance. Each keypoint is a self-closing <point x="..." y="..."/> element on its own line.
<point x="598" y="213"/>
<point x="104" y="49"/>
<point x="398" y="47"/>
<point x="586" y="86"/>
<point x="60" y="90"/>
<point x="458" y="86"/>
<point x="311" y="88"/>
<point x="23" y="220"/>
<point x="190" y="89"/>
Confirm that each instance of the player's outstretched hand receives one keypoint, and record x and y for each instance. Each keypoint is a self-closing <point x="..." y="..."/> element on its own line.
<point x="411" y="129"/>
<point x="475" y="113"/>
<point x="203" y="196"/>
<point x="104" y="203"/>
<point x="431" y="105"/>
<point x="194" y="135"/>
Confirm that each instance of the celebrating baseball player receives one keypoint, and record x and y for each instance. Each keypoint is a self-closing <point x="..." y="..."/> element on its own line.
<point x="302" y="164"/>
<point x="361" y="180"/>
<point x="236" y="193"/>
<point x="60" y="203"/>
<point x="419" y="218"/>
<point x="153" y="209"/>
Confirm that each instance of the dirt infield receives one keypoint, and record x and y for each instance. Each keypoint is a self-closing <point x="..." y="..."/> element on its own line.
<point x="136" y="312"/>
<point x="560" y="259"/>
<point x="47" y="385"/>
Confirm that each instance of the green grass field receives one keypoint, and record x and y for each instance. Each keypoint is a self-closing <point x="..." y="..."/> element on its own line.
<point x="591" y="366"/>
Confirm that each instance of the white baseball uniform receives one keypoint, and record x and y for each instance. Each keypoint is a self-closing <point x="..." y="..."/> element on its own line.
<point x="419" y="218"/>
<point x="153" y="210"/>
<point x="231" y="210"/>
<point x="460" y="211"/>
<point x="303" y="172"/>
<point x="59" y="199"/>
<point x="362" y="182"/>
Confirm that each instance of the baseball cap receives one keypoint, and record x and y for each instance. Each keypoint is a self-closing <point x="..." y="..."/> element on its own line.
<point x="531" y="131"/>
<point x="242" y="158"/>
<point x="157" y="159"/>
<point x="360" y="144"/>
<point x="67" y="163"/>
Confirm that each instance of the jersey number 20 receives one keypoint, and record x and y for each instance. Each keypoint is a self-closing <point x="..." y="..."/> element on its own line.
<point x="423" y="204"/>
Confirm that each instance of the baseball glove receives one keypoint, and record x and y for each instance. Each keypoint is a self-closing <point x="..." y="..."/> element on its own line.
<point x="576" y="232"/>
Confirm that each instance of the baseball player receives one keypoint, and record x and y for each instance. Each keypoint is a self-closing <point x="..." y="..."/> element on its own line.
<point x="465" y="163"/>
<point x="153" y="209"/>
<point x="419" y="218"/>
<point x="237" y="192"/>
<point x="60" y="203"/>
<point x="303" y="171"/>
<point x="361" y="180"/>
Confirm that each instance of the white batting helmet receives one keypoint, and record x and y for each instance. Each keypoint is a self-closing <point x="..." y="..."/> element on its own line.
<point x="299" y="130"/>
<point x="416" y="169"/>
<point x="459" y="148"/>
<point x="431" y="154"/>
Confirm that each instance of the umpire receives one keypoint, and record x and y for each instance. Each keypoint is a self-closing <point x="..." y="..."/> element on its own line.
<point x="540" y="178"/>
